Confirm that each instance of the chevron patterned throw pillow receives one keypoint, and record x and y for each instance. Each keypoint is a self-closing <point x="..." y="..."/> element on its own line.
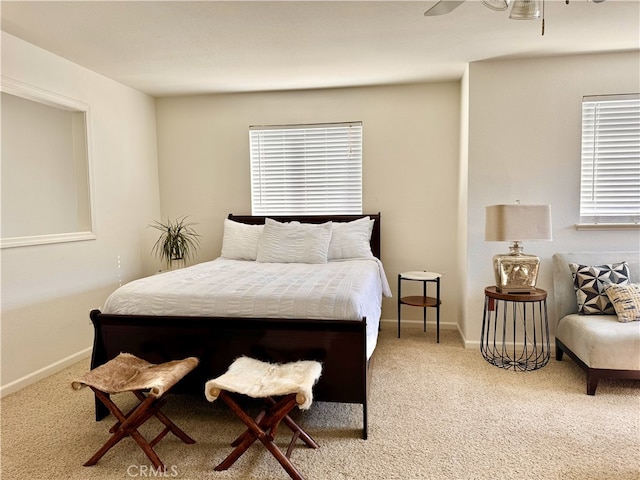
<point x="590" y="281"/>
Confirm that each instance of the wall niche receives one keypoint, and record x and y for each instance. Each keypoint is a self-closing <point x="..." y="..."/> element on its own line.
<point x="46" y="167"/>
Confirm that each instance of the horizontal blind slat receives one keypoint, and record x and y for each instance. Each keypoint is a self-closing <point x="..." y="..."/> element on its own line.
<point x="309" y="169"/>
<point x="610" y="170"/>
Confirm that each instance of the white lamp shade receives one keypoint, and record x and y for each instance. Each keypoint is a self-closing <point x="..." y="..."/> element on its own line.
<point x="509" y="223"/>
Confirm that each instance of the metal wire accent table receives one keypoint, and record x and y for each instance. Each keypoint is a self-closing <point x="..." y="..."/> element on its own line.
<point x="515" y="330"/>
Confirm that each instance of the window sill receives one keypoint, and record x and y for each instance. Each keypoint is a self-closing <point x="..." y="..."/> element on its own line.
<point x="45" y="239"/>
<point x="607" y="226"/>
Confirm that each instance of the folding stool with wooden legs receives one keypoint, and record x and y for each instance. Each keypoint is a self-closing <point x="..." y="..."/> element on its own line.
<point x="291" y="382"/>
<point x="149" y="383"/>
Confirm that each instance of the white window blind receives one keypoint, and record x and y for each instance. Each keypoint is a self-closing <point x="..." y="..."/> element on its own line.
<point x="610" y="174"/>
<point x="306" y="169"/>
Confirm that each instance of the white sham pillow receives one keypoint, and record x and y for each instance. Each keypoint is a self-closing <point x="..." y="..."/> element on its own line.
<point x="294" y="242"/>
<point x="351" y="239"/>
<point x="240" y="240"/>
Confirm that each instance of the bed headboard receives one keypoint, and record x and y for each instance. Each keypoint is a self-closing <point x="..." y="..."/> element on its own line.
<point x="259" y="220"/>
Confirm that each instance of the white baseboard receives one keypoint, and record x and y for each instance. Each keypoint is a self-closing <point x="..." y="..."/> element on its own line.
<point x="430" y="324"/>
<point x="468" y="344"/>
<point x="44" y="372"/>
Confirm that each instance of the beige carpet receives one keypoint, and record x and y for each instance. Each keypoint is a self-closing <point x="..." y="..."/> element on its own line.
<point x="436" y="412"/>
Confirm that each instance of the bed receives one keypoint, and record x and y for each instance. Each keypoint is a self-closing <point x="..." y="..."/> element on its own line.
<point x="161" y="318"/>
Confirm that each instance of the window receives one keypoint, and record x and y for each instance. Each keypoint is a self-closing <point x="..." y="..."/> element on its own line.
<point x="306" y="169"/>
<point x="610" y="174"/>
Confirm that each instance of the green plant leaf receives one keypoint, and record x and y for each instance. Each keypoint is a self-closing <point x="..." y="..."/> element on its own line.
<point x="178" y="241"/>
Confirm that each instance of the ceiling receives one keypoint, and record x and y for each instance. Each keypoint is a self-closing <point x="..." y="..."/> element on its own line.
<point x="189" y="47"/>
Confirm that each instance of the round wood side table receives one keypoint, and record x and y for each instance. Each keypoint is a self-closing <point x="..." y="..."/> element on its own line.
<point x="423" y="300"/>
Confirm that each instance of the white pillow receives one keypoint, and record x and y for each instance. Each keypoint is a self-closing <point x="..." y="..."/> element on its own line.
<point x="294" y="242"/>
<point x="240" y="240"/>
<point x="351" y="239"/>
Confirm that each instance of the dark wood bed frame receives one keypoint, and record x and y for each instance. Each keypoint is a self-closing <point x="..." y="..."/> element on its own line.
<point x="339" y="344"/>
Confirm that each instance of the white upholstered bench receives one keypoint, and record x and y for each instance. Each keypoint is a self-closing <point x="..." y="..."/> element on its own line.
<point x="291" y="382"/>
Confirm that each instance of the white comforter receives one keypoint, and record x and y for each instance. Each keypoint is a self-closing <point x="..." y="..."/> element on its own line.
<point x="348" y="290"/>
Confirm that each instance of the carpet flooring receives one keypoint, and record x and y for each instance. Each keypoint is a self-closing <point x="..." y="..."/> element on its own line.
<point x="437" y="411"/>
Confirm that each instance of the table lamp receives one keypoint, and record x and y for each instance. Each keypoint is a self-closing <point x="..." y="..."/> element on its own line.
<point x="517" y="272"/>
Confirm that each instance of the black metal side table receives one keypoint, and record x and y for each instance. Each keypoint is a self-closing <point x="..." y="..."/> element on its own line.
<point x="421" y="301"/>
<point x="515" y="329"/>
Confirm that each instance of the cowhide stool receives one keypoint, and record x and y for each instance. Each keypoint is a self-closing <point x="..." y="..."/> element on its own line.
<point x="292" y="383"/>
<point x="149" y="383"/>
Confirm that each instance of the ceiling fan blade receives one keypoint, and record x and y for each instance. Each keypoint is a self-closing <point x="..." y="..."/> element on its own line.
<point x="443" y="7"/>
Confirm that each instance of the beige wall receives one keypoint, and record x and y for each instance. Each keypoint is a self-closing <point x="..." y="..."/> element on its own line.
<point x="410" y="166"/>
<point x="48" y="290"/>
<point x="524" y="143"/>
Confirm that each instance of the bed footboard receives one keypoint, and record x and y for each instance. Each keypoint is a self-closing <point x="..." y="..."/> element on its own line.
<point x="340" y="345"/>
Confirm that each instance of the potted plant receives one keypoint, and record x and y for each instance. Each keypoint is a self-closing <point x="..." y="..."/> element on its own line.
<point x="177" y="243"/>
